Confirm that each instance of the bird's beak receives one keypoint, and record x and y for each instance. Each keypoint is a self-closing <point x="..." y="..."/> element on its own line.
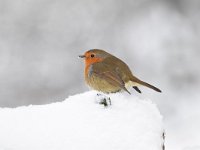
<point x="81" y="56"/>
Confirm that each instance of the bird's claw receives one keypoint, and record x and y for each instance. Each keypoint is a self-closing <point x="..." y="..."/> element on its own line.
<point x="104" y="100"/>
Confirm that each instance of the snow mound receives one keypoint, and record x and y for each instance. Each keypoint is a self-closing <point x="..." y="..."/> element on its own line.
<point x="78" y="123"/>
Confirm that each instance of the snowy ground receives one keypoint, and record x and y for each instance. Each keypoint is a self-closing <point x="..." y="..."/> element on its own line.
<point x="80" y="123"/>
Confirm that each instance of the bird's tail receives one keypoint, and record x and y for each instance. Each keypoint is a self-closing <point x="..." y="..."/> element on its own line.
<point x="146" y="84"/>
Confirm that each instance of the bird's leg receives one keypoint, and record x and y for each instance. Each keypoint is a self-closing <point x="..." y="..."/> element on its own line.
<point x="103" y="99"/>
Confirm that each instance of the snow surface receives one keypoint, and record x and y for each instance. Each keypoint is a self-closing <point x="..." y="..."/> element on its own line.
<point x="79" y="123"/>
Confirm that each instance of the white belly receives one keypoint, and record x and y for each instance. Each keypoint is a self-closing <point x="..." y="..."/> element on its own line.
<point x="130" y="84"/>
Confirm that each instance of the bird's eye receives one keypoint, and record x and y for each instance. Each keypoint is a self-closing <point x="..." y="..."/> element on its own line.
<point x="92" y="55"/>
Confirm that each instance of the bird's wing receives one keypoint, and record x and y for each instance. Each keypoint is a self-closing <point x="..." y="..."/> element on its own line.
<point x="112" y="77"/>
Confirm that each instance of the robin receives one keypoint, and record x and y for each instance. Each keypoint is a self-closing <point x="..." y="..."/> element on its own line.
<point x="108" y="74"/>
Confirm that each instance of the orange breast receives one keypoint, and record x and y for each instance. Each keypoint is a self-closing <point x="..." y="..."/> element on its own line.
<point x="90" y="61"/>
<point x="86" y="71"/>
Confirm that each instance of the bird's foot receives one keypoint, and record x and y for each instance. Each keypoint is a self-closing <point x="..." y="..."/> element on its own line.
<point x="103" y="100"/>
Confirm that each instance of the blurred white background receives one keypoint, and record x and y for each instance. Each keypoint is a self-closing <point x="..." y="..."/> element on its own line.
<point x="40" y="41"/>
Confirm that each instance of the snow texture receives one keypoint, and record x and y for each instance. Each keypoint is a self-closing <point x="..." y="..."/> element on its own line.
<point x="80" y="123"/>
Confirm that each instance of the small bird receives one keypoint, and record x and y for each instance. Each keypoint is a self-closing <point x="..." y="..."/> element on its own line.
<point x="108" y="74"/>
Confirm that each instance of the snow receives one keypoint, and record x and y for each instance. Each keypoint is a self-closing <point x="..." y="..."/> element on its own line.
<point x="80" y="122"/>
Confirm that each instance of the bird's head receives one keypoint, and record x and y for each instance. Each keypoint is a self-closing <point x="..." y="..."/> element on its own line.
<point x="94" y="56"/>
